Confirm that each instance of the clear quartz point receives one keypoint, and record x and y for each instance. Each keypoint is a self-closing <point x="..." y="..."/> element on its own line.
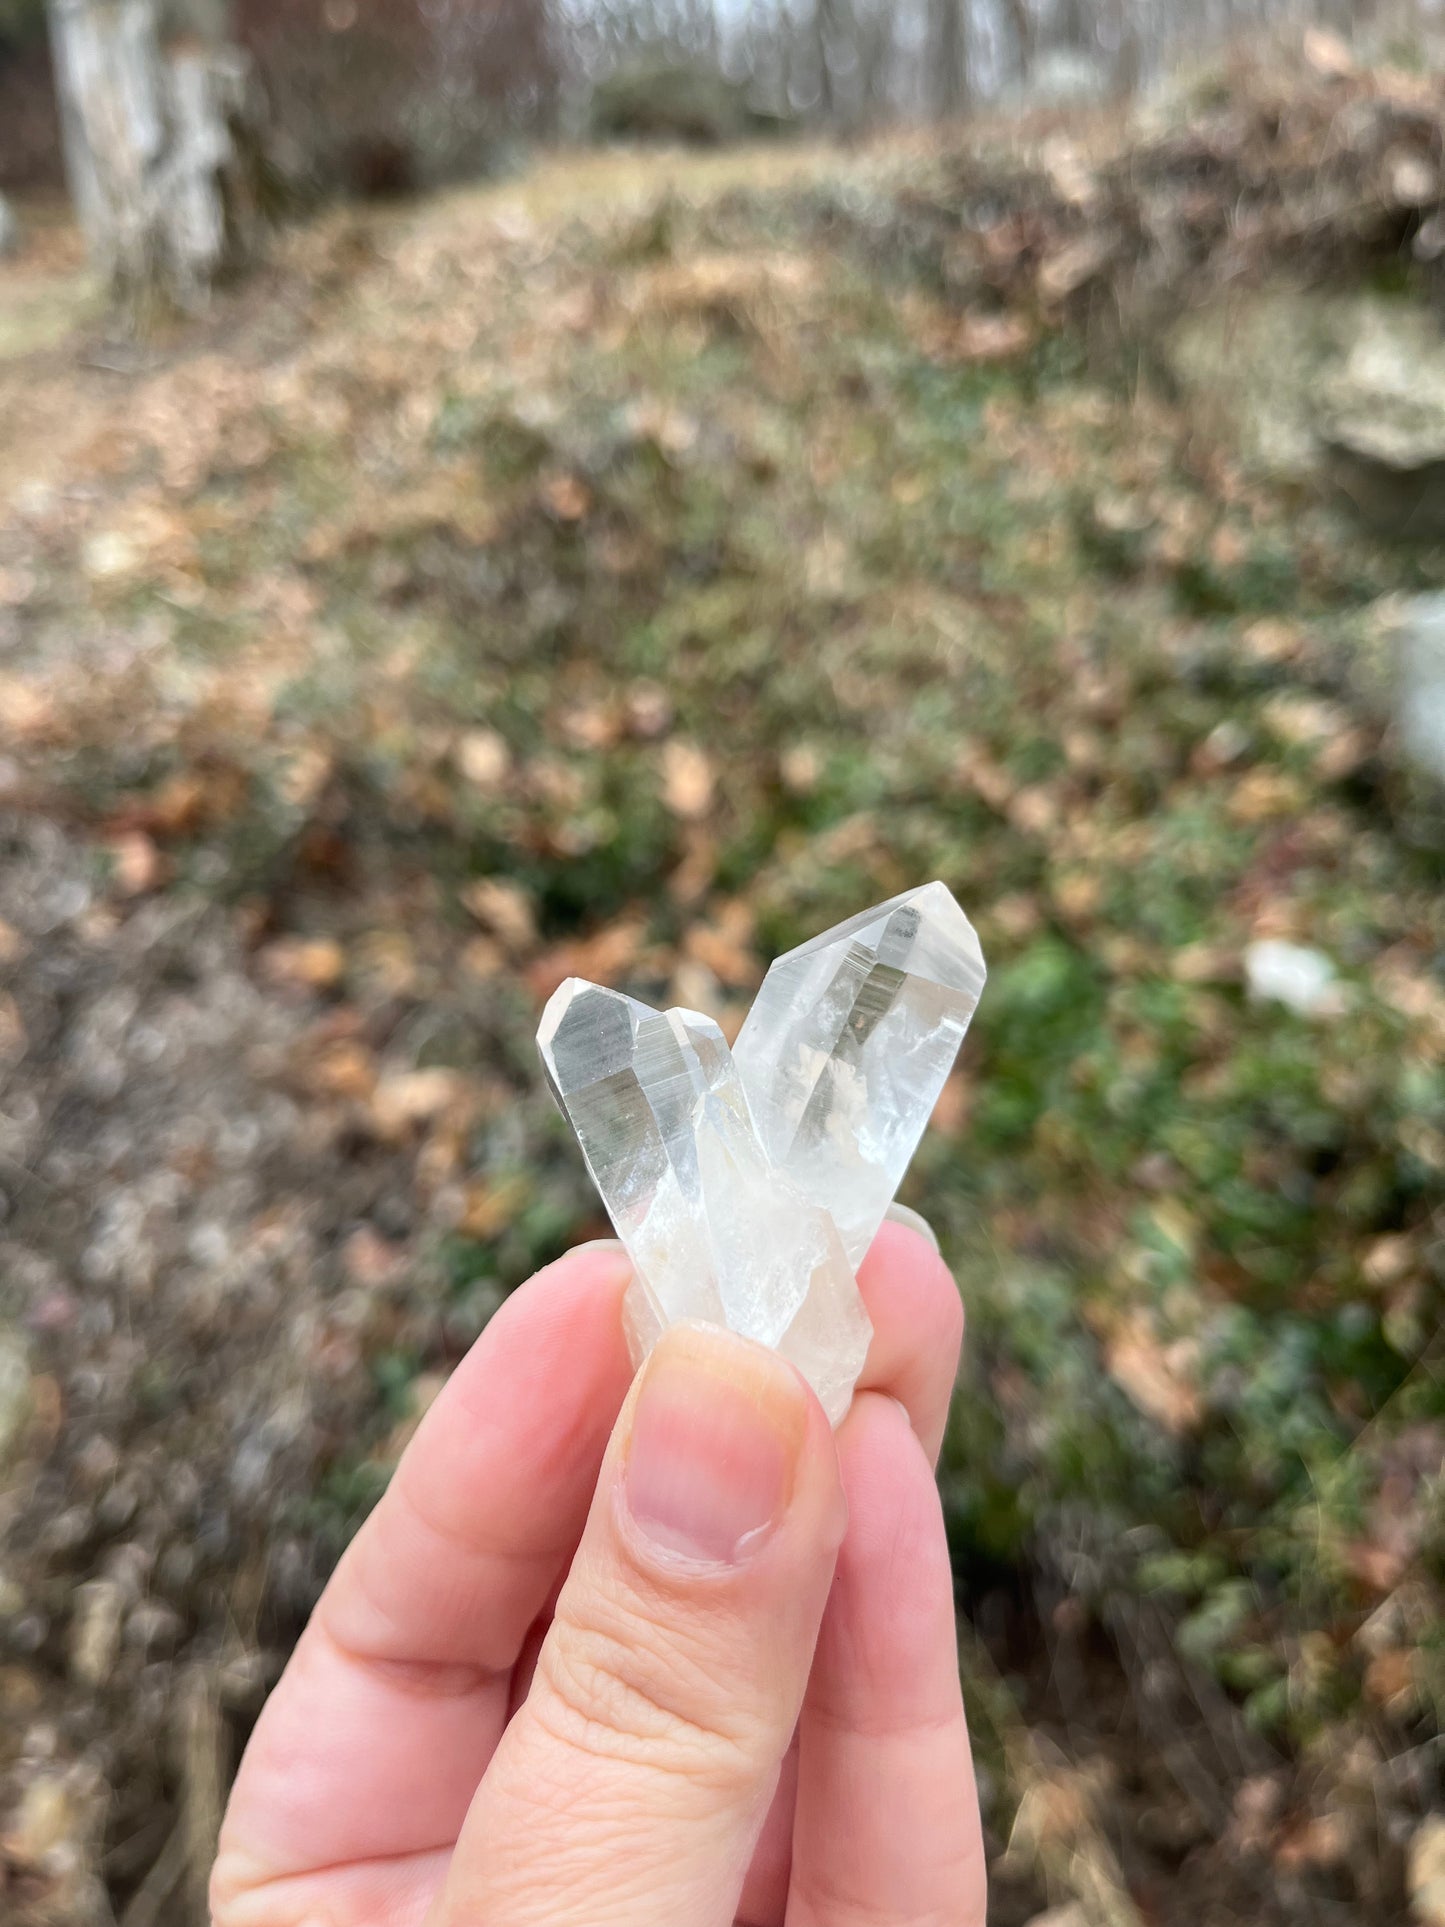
<point x="713" y="1231"/>
<point x="747" y="1185"/>
<point x="848" y="1045"/>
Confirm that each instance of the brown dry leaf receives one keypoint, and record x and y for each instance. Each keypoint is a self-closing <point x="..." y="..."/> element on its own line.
<point x="688" y="780"/>
<point x="1205" y="963"/>
<point x="987" y="778"/>
<point x="1328" y="53"/>
<point x="1342" y="756"/>
<point x="1272" y="639"/>
<point x="1264" y="795"/>
<point x="27" y="712"/>
<point x="483" y="958"/>
<point x="483" y="758"/>
<point x="648" y="709"/>
<point x="504" y="908"/>
<point x="1077" y="894"/>
<point x="724" y="954"/>
<point x="344" y="1068"/>
<point x="16" y="587"/>
<point x="1389" y="1259"/>
<point x="602" y="958"/>
<point x="986" y="339"/>
<point x="489" y="1206"/>
<point x="372" y="1261"/>
<point x="801" y="768"/>
<point x="950" y="1113"/>
<point x="1074" y="265"/>
<point x="1155" y="1376"/>
<point x="137" y="866"/>
<point x="404" y="1100"/>
<point x="567" y="497"/>
<point x="1426" y="1876"/>
<point x="1304" y="720"/>
<point x="13" y="1038"/>
<point x="1018" y="915"/>
<point x="303" y="775"/>
<point x="1323" y="1840"/>
<point x="1412" y="181"/>
<point x="1391" y="1682"/>
<point x="386" y="962"/>
<point x="591" y="725"/>
<point x="1380" y="1568"/>
<point x="692" y="878"/>
<point x="176" y="808"/>
<point x="312" y="963"/>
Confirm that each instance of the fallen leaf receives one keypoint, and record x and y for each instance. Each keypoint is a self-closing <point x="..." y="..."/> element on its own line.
<point x="345" y="1068"/>
<point x="504" y="908"/>
<point x="489" y="1206"/>
<point x="950" y="1113"/>
<point x="1328" y="53"/>
<point x="1154" y="1375"/>
<point x="483" y="958"/>
<point x="1426" y="1876"/>
<point x="567" y="497"/>
<point x="648" y="708"/>
<point x="603" y="958"/>
<point x="985" y="339"/>
<point x="13" y="1038"/>
<point x="483" y="758"/>
<point x="1074" y="265"/>
<point x="593" y="725"/>
<point x="312" y="963"/>
<point x="1391" y="1682"/>
<point x="729" y="959"/>
<point x="687" y="780"/>
<point x="403" y="1100"/>
<point x="137" y="866"/>
<point x="372" y="1261"/>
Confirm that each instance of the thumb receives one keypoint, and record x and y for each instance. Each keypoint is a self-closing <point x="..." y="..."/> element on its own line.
<point x="633" y="1781"/>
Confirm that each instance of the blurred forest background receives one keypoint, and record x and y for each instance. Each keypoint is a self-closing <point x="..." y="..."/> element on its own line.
<point x="612" y="489"/>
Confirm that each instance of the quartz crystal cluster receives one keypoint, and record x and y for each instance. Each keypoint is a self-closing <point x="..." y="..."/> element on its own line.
<point x="747" y="1184"/>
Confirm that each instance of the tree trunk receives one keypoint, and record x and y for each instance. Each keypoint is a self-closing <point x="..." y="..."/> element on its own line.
<point x="948" y="41"/>
<point x="157" y="149"/>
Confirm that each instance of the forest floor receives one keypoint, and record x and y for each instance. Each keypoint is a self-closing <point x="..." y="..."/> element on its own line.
<point x="628" y="571"/>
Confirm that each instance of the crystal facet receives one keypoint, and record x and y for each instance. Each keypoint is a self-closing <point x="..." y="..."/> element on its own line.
<point x="746" y="1187"/>
<point x="713" y="1231"/>
<point x="848" y="1045"/>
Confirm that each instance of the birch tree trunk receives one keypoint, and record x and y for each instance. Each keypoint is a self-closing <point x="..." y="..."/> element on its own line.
<point x="155" y="140"/>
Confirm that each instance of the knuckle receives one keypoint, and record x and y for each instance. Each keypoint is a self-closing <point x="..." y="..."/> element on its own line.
<point x="617" y="1685"/>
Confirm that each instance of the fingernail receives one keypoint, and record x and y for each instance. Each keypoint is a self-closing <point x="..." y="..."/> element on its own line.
<point x="716" y="1434"/>
<point x="915" y="1220"/>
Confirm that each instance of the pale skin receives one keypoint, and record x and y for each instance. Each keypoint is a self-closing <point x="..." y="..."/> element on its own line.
<point x="664" y="1653"/>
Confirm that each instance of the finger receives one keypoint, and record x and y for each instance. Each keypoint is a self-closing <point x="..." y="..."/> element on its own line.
<point x="917" y="1318"/>
<point x="633" y="1784"/>
<point x="764" y="1898"/>
<point x="887" y="1823"/>
<point x="372" y="1745"/>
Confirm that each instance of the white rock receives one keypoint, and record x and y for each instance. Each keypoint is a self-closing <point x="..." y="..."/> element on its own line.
<point x="1288" y="973"/>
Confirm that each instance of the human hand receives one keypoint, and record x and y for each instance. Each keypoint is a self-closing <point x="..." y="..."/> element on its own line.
<point x="559" y="1680"/>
